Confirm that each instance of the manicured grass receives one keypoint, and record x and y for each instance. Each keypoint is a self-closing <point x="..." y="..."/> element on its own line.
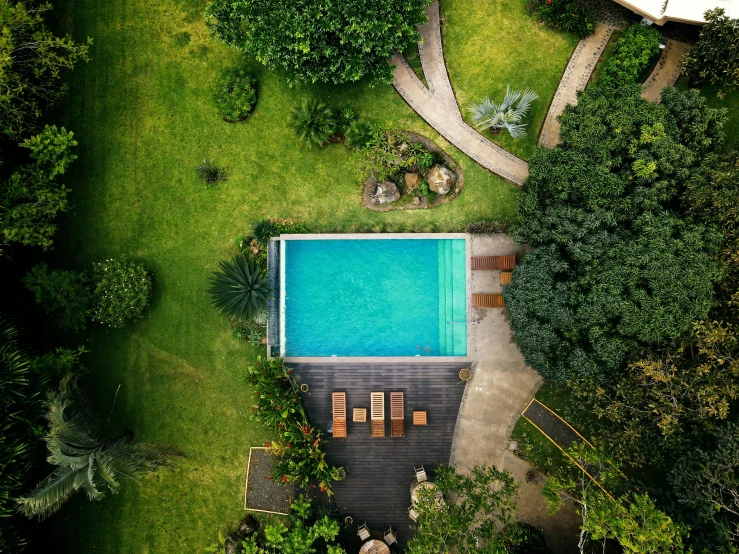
<point x="143" y="115"/>
<point x="489" y="44"/>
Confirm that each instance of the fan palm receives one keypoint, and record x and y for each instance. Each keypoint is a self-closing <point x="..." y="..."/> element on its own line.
<point x="239" y="288"/>
<point x="83" y="458"/>
<point x="313" y="122"/>
<point x="489" y="115"/>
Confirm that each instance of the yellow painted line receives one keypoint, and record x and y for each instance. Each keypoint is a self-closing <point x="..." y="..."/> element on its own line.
<point x="528" y="405"/>
<point x="246" y="487"/>
<point x="563" y="421"/>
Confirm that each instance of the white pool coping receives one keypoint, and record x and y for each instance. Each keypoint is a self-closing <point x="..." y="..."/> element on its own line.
<point x="377" y="236"/>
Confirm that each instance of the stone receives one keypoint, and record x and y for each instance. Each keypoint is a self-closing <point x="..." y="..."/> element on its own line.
<point x="441" y="179"/>
<point x="416" y="201"/>
<point x="412" y="180"/>
<point x="403" y="147"/>
<point x="248" y="525"/>
<point x="386" y="192"/>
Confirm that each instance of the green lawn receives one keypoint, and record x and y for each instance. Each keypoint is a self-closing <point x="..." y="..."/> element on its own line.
<point x="142" y="112"/>
<point x="489" y="44"/>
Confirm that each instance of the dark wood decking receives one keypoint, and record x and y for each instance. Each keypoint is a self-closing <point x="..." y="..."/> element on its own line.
<point x="380" y="470"/>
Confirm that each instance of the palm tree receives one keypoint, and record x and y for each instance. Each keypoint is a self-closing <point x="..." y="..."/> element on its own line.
<point x="83" y="458"/>
<point x="314" y="122"/>
<point x="239" y="288"/>
<point x="489" y="115"/>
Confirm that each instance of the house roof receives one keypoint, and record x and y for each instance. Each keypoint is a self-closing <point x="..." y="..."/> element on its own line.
<point x="686" y="11"/>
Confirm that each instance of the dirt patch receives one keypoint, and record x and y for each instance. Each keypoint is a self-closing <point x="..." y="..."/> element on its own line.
<point x="557" y="430"/>
<point x="406" y="202"/>
<point x="262" y="492"/>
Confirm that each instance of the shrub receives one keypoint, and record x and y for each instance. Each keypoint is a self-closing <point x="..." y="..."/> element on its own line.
<point x="359" y="133"/>
<point x="313" y="122"/>
<point x="634" y="49"/>
<point x="715" y="57"/>
<point x="210" y="173"/>
<point x="484" y="227"/>
<point x="121" y="291"/>
<point x="239" y="289"/>
<point x="64" y="295"/>
<point x="572" y="16"/>
<point x="265" y="229"/>
<point x="506" y="115"/>
<point x="521" y="538"/>
<point x="344" y="119"/>
<point x="251" y="331"/>
<point x="235" y="94"/>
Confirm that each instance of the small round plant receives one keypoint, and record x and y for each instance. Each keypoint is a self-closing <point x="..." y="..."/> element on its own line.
<point x="121" y="291"/>
<point x="235" y="95"/>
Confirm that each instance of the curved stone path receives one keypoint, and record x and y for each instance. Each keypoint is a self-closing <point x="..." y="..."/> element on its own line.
<point x="575" y="78"/>
<point x="438" y="106"/>
<point x="666" y="72"/>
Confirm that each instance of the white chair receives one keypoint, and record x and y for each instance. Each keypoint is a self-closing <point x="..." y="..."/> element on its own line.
<point x="420" y="474"/>
<point x="390" y="537"/>
<point x="363" y="532"/>
<point x="413" y="514"/>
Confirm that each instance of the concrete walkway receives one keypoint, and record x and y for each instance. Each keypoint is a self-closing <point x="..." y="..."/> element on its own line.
<point x="575" y="78"/>
<point x="666" y="72"/>
<point x="438" y="106"/>
<point x="501" y="387"/>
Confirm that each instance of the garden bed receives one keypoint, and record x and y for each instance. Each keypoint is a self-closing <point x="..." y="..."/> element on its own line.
<point x="412" y="199"/>
<point x="263" y="494"/>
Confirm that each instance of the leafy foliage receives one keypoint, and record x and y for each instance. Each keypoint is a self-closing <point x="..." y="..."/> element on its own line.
<point x="506" y="115"/>
<point x="483" y="501"/>
<point x="572" y="16"/>
<point x="239" y="288"/>
<point x="235" y="94"/>
<point x="265" y="229"/>
<point x="337" y="41"/>
<point x="389" y="152"/>
<point x="313" y="122"/>
<point x="297" y="446"/>
<point x="211" y="173"/>
<point x="634" y="49"/>
<point x="31" y="197"/>
<point x="83" y="459"/>
<point x="64" y="295"/>
<point x="520" y="538"/>
<point x="484" y="227"/>
<point x="32" y="65"/>
<point x="121" y="291"/>
<point x="359" y="134"/>
<point x="715" y="57"/>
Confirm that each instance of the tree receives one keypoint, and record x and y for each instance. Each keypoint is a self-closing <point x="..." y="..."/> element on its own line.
<point x="506" y="115"/>
<point x="482" y="501"/>
<point x="31" y="198"/>
<point x="239" y="288"/>
<point x="715" y="57"/>
<point x="336" y="41"/>
<point x="64" y="295"/>
<point x="84" y="460"/>
<point x="313" y="122"/>
<point x="32" y="65"/>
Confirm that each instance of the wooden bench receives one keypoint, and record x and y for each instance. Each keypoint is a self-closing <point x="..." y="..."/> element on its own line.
<point x="377" y="413"/>
<point x="487" y="301"/>
<point x="339" y="412"/>
<point x="397" y="419"/>
<point x="493" y="262"/>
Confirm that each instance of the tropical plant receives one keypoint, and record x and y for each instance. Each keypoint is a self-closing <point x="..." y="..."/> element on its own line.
<point x="345" y="117"/>
<point x="84" y="460"/>
<point x="634" y="49"/>
<point x="336" y="41"/>
<point x="211" y="173"/>
<point x="121" y="291"/>
<point x="572" y="16"/>
<point x="239" y="288"/>
<point x="359" y="133"/>
<point x="506" y="115"/>
<point x="64" y="295"/>
<point x="235" y="94"/>
<point x="265" y="229"/>
<point x="313" y="122"/>
<point x="715" y="57"/>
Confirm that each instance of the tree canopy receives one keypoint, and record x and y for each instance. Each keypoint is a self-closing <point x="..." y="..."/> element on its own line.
<point x="335" y="41"/>
<point x="715" y="57"/>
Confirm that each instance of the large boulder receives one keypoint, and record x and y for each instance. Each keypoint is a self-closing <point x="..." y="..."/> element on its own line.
<point x="441" y="179"/>
<point x="386" y="192"/>
<point x="412" y="180"/>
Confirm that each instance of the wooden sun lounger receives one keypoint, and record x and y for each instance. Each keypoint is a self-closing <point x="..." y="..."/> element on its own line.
<point x="339" y="411"/>
<point x="505" y="277"/>
<point x="494" y="262"/>
<point x="397" y="419"/>
<point x="377" y="413"/>
<point x="487" y="301"/>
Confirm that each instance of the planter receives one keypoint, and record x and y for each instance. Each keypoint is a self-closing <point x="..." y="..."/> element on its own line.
<point x="304" y="387"/>
<point x="348" y="521"/>
<point x="465" y="374"/>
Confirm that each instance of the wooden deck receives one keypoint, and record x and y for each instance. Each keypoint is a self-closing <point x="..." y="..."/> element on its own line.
<point x="380" y="470"/>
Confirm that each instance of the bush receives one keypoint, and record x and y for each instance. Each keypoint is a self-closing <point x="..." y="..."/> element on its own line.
<point x="239" y="288"/>
<point x="121" y="291"/>
<point x="250" y="331"/>
<point x="265" y="229"/>
<point x="521" y="538"/>
<point x="484" y="227"/>
<point x="572" y="16"/>
<point x="210" y="173"/>
<point x="359" y="134"/>
<point x="64" y="295"/>
<point x="313" y="122"/>
<point x="235" y="94"/>
<point x="634" y="49"/>
<point x="715" y="57"/>
<point x="345" y="117"/>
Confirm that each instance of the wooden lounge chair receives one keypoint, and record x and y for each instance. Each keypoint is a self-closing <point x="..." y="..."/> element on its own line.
<point x="487" y="301"/>
<point x="339" y="411"/>
<point x="413" y="514"/>
<point x="363" y="532"/>
<point x="377" y="413"/>
<point x="360" y="415"/>
<point x="419" y="418"/>
<point x="420" y="474"/>
<point x="494" y="262"/>
<point x="397" y="419"/>
<point x="390" y="537"/>
<point x="505" y="277"/>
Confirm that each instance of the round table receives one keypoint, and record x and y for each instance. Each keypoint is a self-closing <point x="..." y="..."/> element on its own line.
<point x="426" y="485"/>
<point x="374" y="546"/>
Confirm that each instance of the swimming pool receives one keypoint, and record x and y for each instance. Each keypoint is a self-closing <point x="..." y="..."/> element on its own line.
<point x="373" y="297"/>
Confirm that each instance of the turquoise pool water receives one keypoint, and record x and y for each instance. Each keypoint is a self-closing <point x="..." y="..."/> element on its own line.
<point x="382" y="297"/>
